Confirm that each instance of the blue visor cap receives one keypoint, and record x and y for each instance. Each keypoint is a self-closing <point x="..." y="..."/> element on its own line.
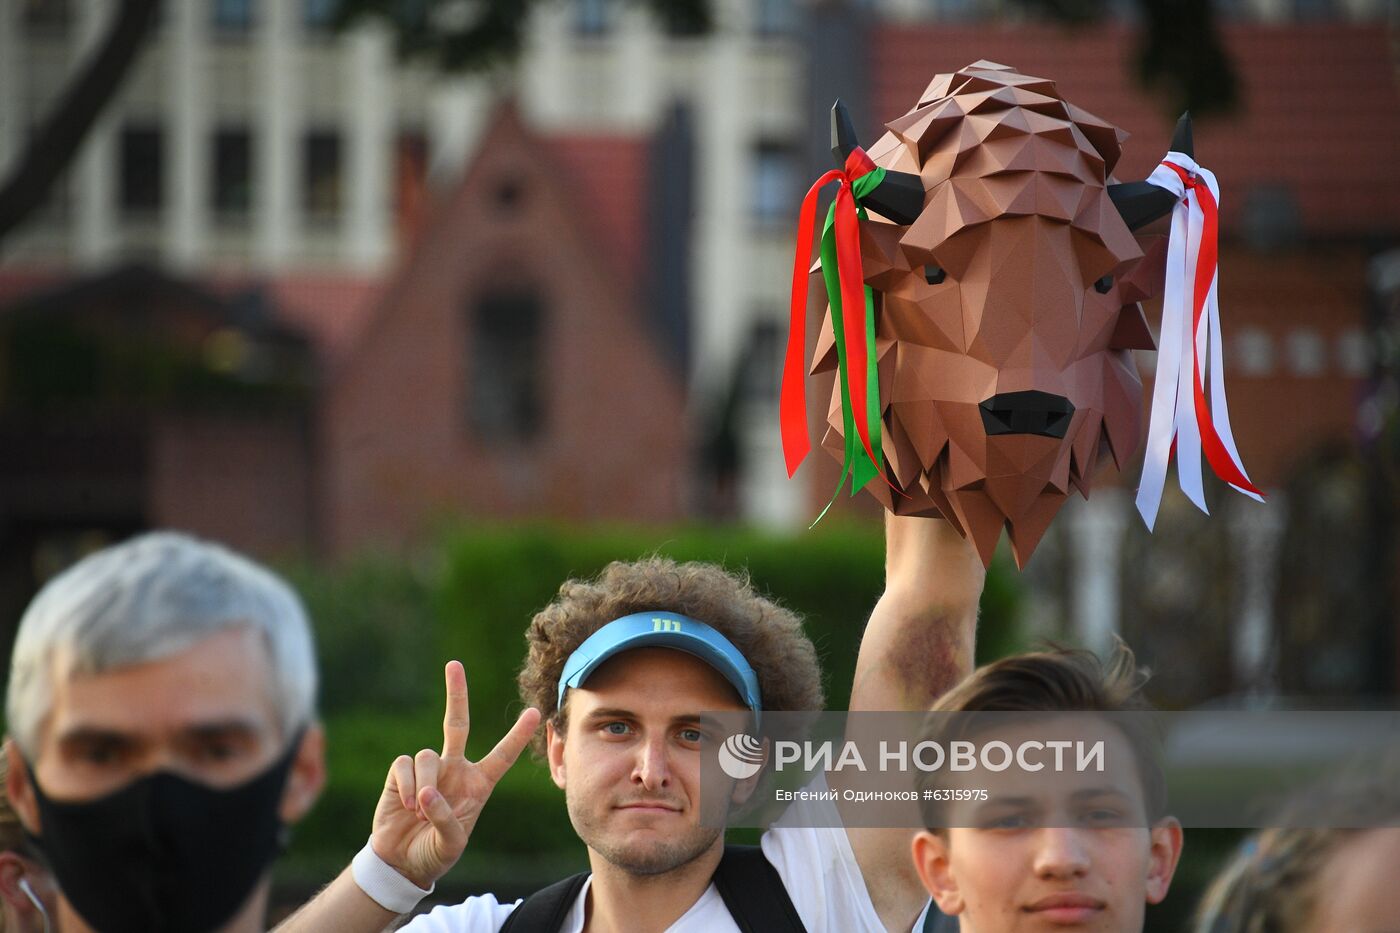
<point x="662" y="630"/>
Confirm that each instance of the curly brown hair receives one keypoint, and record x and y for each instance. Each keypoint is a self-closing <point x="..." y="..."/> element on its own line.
<point x="769" y="636"/>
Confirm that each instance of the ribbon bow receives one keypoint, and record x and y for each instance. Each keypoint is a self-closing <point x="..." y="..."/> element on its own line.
<point x="1182" y="419"/>
<point x="854" y="332"/>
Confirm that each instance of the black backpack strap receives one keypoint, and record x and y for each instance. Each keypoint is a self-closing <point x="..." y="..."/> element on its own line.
<point x="754" y="892"/>
<point x="545" y="910"/>
<point x="750" y="886"/>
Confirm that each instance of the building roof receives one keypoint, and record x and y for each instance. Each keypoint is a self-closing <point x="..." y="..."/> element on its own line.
<point x="331" y="309"/>
<point x="607" y="174"/>
<point x="1319" y="105"/>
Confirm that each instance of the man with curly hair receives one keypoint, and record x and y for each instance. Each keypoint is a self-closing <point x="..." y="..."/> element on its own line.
<point x="620" y="669"/>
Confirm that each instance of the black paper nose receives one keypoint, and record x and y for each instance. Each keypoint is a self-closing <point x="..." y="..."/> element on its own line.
<point x="1028" y="412"/>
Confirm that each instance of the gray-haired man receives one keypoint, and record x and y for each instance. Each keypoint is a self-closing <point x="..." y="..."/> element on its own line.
<point x="162" y="729"/>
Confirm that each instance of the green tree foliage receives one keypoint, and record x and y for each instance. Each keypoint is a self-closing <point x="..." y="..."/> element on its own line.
<point x="1179" y="58"/>
<point x="477" y="35"/>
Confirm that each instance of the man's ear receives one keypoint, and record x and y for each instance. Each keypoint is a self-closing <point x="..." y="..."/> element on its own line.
<point x="931" y="862"/>
<point x="18" y="787"/>
<point x="1167" y="840"/>
<point x="554" y="750"/>
<point x="15" y="868"/>
<point x="307" y="776"/>
<point x="12" y="869"/>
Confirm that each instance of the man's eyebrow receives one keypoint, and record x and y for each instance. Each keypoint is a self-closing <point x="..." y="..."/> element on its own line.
<point x="1104" y="791"/>
<point x="82" y="734"/>
<point x="996" y="802"/>
<point x="221" y="729"/>
<point x="611" y="712"/>
<point x="614" y="712"/>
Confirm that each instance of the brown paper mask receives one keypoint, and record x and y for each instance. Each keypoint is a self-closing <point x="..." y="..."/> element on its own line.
<point x="1005" y="304"/>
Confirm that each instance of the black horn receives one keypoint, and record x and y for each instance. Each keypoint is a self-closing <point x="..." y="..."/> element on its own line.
<point x="843" y="133"/>
<point x="1181" y="136"/>
<point x="900" y="197"/>
<point x="1141" y="202"/>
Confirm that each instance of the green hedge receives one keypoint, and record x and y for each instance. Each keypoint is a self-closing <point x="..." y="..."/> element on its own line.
<point x="386" y="626"/>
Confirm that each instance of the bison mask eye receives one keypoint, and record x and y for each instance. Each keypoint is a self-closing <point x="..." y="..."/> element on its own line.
<point x="934" y="275"/>
<point x="1104" y="285"/>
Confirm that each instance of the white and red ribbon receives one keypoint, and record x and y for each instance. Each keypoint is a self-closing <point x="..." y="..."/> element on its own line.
<point x="1190" y="350"/>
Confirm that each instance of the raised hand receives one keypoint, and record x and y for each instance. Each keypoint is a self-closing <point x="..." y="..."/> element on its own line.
<point x="431" y="801"/>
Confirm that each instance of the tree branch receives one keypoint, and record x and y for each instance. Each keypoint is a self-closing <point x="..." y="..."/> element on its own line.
<point x="58" y="139"/>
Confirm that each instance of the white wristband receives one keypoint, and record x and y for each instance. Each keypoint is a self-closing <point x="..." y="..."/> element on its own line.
<point x="385" y="886"/>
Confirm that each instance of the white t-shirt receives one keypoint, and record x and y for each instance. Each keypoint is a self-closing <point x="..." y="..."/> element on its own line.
<point x="817" y="865"/>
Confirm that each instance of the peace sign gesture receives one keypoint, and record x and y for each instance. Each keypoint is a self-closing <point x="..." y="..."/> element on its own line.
<point x="431" y="802"/>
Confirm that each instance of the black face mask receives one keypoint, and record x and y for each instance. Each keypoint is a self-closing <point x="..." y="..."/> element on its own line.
<point x="164" y="854"/>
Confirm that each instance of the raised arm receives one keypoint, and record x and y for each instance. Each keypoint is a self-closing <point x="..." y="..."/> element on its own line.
<point x="426" y="813"/>
<point x="919" y="642"/>
<point x="920" y="638"/>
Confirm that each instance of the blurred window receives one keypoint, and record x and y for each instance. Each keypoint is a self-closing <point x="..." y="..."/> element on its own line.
<point x="775" y="18"/>
<point x="142" y="168"/>
<point x="321" y="174"/>
<point x="958" y="9"/>
<point x="593" y="17"/>
<point x="1271" y="220"/>
<point x="1315" y="9"/>
<point x="319" y="15"/>
<point x="1131" y="10"/>
<point x="506" y="401"/>
<point x="1234" y="9"/>
<point x="762" y="361"/>
<point x="232" y="16"/>
<point x="1354" y="353"/>
<point x="1253" y="352"/>
<point x="1307" y="352"/>
<point x="58" y="200"/>
<point x="52" y="17"/>
<point x="774" y="183"/>
<point x="232" y="187"/>
<point x="685" y="20"/>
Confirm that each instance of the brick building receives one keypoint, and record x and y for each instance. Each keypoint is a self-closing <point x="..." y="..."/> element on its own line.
<point x="131" y="400"/>
<point x="510" y="368"/>
<point x="577" y="309"/>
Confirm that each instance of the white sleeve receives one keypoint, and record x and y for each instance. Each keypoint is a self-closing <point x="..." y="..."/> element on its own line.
<point x="482" y="914"/>
<point x="819" y="870"/>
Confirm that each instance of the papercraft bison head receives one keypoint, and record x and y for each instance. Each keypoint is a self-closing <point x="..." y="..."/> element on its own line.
<point x="1006" y="283"/>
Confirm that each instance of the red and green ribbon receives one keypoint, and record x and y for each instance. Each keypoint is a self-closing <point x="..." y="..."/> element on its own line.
<point x="854" y="331"/>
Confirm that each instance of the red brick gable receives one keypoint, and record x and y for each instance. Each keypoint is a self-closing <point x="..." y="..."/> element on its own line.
<point x="607" y="177"/>
<point x="1320" y="109"/>
<point x="401" y="449"/>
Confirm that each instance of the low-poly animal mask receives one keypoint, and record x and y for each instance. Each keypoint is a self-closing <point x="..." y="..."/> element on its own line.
<point x="986" y="367"/>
